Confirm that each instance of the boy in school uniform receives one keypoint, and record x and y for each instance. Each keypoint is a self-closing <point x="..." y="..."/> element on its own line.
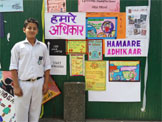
<point x="30" y="67"/>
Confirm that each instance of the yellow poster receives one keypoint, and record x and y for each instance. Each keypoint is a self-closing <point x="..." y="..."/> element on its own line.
<point x="77" y="65"/>
<point x="95" y="75"/>
<point x="76" y="46"/>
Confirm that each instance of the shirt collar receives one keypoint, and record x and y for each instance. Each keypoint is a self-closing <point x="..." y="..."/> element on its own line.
<point x="27" y="42"/>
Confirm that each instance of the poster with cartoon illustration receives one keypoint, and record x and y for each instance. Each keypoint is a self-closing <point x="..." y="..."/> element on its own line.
<point x="137" y="22"/>
<point x="7" y="113"/>
<point x="101" y="27"/>
<point x="55" y="6"/>
<point x="95" y="49"/>
<point x="124" y="71"/>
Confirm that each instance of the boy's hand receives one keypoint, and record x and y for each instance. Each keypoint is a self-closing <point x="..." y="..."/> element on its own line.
<point x="45" y="88"/>
<point x="18" y="91"/>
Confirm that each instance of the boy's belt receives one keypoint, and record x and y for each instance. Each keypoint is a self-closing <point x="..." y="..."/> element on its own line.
<point x="32" y="80"/>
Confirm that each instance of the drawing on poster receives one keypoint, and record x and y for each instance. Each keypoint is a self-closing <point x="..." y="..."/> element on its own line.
<point x="124" y="71"/>
<point x="101" y="27"/>
<point x="136" y="22"/>
<point x="95" y="50"/>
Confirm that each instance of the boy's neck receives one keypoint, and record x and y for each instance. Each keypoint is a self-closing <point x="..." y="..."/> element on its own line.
<point x="31" y="40"/>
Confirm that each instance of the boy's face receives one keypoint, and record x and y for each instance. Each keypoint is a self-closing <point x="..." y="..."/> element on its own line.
<point x="31" y="30"/>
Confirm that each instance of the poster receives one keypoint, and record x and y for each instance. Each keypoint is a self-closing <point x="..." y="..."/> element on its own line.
<point x="101" y="27"/>
<point x="126" y="47"/>
<point x="77" y="67"/>
<point x="95" y="75"/>
<point x="11" y="5"/>
<point x="56" y="46"/>
<point x="58" y="65"/>
<point x="137" y="22"/>
<point x="52" y="6"/>
<point x="65" y="25"/>
<point x="77" y="46"/>
<point x="95" y="50"/>
<point x="99" y="5"/>
<point x="124" y="71"/>
<point x="53" y="91"/>
<point x="7" y="111"/>
<point x="121" y="20"/>
<point x="117" y="91"/>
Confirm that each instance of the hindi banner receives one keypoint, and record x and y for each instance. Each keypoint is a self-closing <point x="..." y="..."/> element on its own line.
<point x="137" y="22"/>
<point x="101" y="27"/>
<point x="65" y="25"/>
<point x="77" y="46"/>
<point x="98" y="5"/>
<point x="11" y="5"/>
<point x="95" y="50"/>
<point x="56" y="46"/>
<point x="95" y="75"/>
<point x="126" y="47"/>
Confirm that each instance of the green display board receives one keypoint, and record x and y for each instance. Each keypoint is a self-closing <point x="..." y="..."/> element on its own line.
<point x="107" y="110"/>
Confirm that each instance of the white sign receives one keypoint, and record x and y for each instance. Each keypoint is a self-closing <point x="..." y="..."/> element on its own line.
<point x="58" y="65"/>
<point x="117" y="92"/>
<point x="65" y="25"/>
<point x="137" y="22"/>
<point x="126" y="47"/>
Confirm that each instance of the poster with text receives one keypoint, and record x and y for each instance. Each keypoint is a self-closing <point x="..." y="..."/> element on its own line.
<point x="101" y="27"/>
<point x="95" y="50"/>
<point x="65" y="25"/>
<point x="124" y="71"/>
<point x="98" y="5"/>
<point x="77" y="46"/>
<point x="56" y="46"/>
<point x="52" y="6"/>
<point x="117" y="91"/>
<point x="126" y="47"/>
<point x="95" y="75"/>
<point x="11" y="5"/>
<point x="58" y="65"/>
<point x="53" y="91"/>
<point x="77" y="67"/>
<point x="137" y="22"/>
<point x="121" y="20"/>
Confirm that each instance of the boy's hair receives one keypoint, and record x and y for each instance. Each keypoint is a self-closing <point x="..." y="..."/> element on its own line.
<point x="30" y="20"/>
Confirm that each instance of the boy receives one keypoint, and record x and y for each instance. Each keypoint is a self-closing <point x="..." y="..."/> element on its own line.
<point x="30" y="66"/>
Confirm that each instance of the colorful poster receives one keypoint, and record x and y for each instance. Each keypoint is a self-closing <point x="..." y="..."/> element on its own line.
<point x="101" y="27"/>
<point x="124" y="71"/>
<point x="126" y="47"/>
<point x="117" y="91"/>
<point x="76" y="46"/>
<point x="65" y="25"/>
<point x="121" y="26"/>
<point x="11" y="5"/>
<point x="99" y="5"/>
<point x="53" y="91"/>
<point x="77" y="67"/>
<point x="95" y="75"/>
<point x="58" y="65"/>
<point x="137" y="22"/>
<point x="7" y="112"/>
<point x="56" y="46"/>
<point x="95" y="50"/>
<point x="52" y="6"/>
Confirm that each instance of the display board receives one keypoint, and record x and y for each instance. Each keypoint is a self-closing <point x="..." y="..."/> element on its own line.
<point x="109" y="110"/>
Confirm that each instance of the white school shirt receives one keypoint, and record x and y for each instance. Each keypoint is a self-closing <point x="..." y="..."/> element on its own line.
<point x="30" y="61"/>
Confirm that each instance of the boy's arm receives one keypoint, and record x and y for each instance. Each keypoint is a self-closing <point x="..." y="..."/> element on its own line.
<point x="17" y="89"/>
<point x="46" y="79"/>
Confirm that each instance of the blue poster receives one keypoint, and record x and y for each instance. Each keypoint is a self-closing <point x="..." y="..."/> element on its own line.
<point x="95" y="49"/>
<point x="11" y="5"/>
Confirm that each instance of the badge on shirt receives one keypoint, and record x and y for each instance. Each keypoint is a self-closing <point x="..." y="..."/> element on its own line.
<point x="40" y="59"/>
